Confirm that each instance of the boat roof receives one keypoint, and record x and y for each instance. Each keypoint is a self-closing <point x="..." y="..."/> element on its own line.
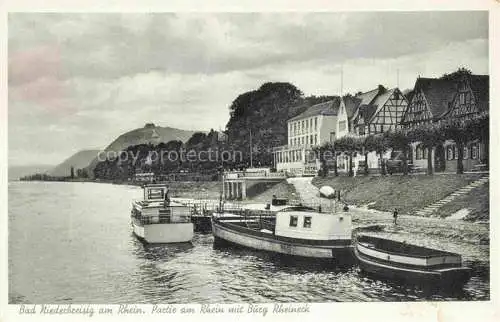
<point x="155" y="185"/>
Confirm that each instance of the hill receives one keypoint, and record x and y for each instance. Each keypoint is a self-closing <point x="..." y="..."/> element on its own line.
<point x="150" y="133"/>
<point x="79" y="160"/>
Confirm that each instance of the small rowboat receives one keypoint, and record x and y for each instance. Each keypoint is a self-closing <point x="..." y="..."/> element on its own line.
<point x="413" y="264"/>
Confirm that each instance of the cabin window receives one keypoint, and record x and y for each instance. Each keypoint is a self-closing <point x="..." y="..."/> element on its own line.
<point x="155" y="194"/>
<point x="307" y="222"/>
<point x="293" y="221"/>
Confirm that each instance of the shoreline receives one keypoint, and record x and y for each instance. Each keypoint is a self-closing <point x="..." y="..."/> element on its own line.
<point x="210" y="190"/>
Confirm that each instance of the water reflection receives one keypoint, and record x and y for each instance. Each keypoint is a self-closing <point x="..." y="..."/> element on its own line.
<point x="113" y="266"/>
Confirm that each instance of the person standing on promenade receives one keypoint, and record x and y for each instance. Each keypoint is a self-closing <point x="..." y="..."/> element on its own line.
<point x="395" y="216"/>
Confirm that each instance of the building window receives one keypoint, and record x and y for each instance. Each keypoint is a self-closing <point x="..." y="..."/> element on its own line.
<point x="307" y="125"/>
<point x="462" y="98"/>
<point x="342" y="126"/>
<point x="455" y="151"/>
<point x="361" y="130"/>
<point x="450" y="152"/>
<point x="316" y="123"/>
<point x="307" y="222"/>
<point x="316" y="139"/>
<point x="475" y="152"/>
<point x="466" y="153"/>
<point x="311" y="138"/>
<point x="303" y="127"/>
<point x="332" y="137"/>
<point x="418" y="152"/>
<point x="293" y="221"/>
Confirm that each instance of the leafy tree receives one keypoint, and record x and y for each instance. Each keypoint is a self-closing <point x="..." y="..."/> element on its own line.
<point x="429" y="136"/>
<point x="369" y="144"/>
<point x="456" y="130"/>
<point x="400" y="140"/>
<point x="348" y="145"/>
<point x="381" y="145"/>
<point x="322" y="153"/>
<point x="458" y="74"/>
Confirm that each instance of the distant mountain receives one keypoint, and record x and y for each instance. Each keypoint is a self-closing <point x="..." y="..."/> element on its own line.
<point x="16" y="172"/>
<point x="79" y="160"/>
<point x="150" y="133"/>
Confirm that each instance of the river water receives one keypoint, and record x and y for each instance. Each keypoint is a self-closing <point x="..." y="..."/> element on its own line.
<point x="72" y="243"/>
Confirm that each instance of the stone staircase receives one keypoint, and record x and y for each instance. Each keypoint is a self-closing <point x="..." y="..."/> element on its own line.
<point x="430" y="209"/>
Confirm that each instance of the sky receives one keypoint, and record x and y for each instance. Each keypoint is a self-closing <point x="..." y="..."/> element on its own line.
<point x="78" y="81"/>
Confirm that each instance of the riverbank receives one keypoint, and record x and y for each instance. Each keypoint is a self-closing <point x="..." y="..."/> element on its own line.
<point x="411" y="193"/>
<point x="261" y="192"/>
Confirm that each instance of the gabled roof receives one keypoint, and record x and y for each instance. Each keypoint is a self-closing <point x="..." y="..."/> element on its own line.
<point x="351" y="105"/>
<point x="367" y="97"/>
<point x="438" y="93"/>
<point x="480" y="85"/>
<point x="371" y="101"/>
<point x="377" y="104"/>
<point x="326" y="108"/>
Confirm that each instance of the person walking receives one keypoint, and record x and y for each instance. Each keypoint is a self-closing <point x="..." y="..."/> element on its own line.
<point x="395" y="216"/>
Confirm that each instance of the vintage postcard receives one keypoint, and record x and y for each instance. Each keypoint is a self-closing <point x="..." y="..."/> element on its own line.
<point x="251" y="165"/>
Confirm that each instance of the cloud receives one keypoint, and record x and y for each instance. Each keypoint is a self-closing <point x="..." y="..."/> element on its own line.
<point x="79" y="80"/>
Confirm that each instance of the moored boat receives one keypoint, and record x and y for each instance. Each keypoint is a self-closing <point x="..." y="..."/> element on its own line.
<point x="157" y="219"/>
<point x="295" y="230"/>
<point x="410" y="263"/>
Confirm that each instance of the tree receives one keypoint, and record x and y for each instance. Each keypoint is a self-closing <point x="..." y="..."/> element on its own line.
<point x="456" y="130"/>
<point x="458" y="74"/>
<point x="429" y="136"/>
<point x="348" y="145"/>
<point x="323" y="152"/>
<point x="478" y="128"/>
<point x="381" y="145"/>
<point x="400" y="140"/>
<point x="369" y="144"/>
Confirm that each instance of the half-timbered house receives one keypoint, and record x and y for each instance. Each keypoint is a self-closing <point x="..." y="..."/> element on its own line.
<point x="380" y="110"/>
<point x="434" y="100"/>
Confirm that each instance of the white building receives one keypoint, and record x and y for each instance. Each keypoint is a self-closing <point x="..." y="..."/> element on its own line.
<point x="319" y="124"/>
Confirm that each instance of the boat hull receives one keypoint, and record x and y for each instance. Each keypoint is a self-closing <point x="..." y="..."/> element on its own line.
<point x="340" y="254"/>
<point x="164" y="233"/>
<point x="444" y="277"/>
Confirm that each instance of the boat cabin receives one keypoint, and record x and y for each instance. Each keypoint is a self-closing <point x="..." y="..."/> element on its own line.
<point x="155" y="209"/>
<point x="305" y="223"/>
<point x="155" y="192"/>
